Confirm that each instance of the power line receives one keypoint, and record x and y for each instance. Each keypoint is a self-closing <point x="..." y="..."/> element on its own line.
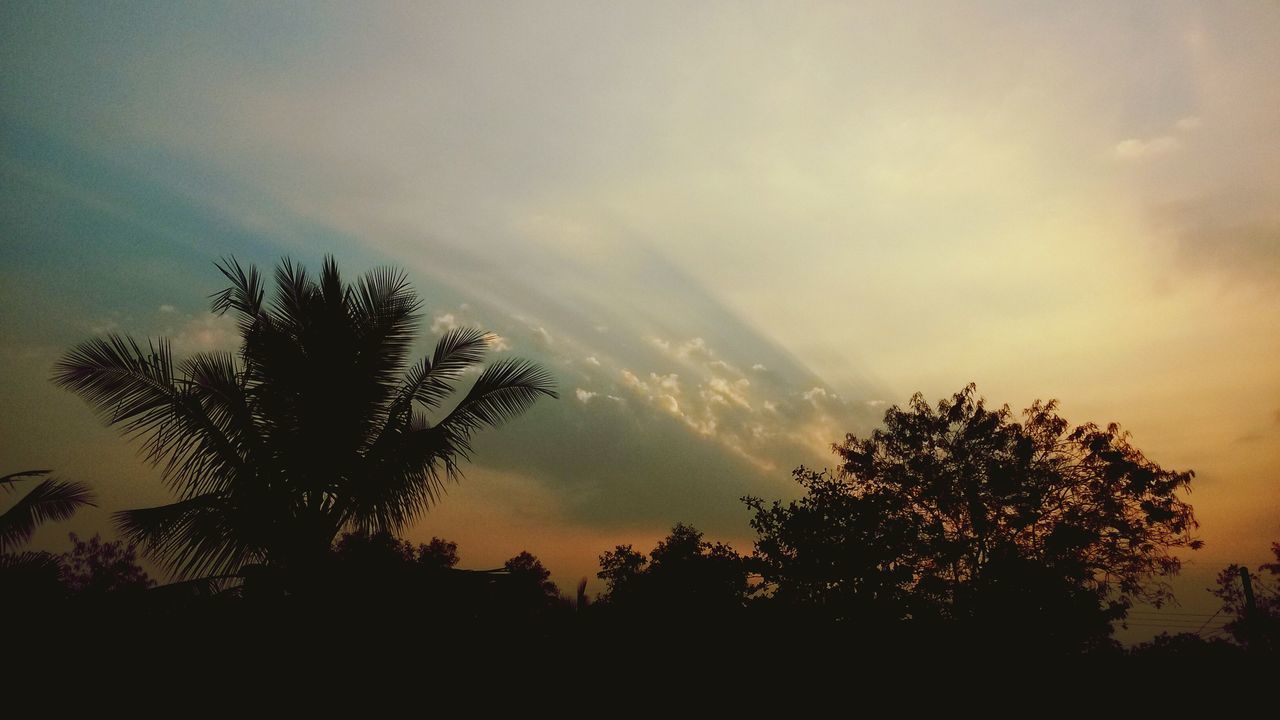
<point x="1206" y="622"/>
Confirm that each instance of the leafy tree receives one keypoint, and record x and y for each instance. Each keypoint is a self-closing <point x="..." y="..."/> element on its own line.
<point x="384" y="549"/>
<point x="836" y="550"/>
<point x="318" y="424"/>
<point x="94" y="567"/>
<point x="683" y="575"/>
<point x="1187" y="647"/>
<point x="1261" y="631"/>
<point x="438" y="554"/>
<point x="531" y="583"/>
<point x="375" y="567"/>
<point x="619" y="568"/>
<point x="960" y="512"/>
<point x="527" y="566"/>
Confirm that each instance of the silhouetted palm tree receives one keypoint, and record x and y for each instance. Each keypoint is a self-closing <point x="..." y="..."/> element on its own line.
<point x="50" y="500"/>
<point x="317" y="425"/>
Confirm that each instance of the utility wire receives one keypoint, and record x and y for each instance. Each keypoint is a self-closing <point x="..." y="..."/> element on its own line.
<point x="1206" y="622"/>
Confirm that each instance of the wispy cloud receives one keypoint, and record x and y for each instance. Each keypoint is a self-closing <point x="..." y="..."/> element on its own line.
<point x="1145" y="148"/>
<point x="443" y="323"/>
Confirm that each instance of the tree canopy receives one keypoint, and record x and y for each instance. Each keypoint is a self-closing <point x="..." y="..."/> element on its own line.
<point x="961" y="511"/>
<point x="684" y="574"/>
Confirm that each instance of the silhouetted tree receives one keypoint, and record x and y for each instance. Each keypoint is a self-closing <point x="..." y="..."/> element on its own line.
<point x="961" y="513"/>
<point x="94" y="567"/>
<point x="1261" y="630"/>
<point x="382" y="549"/>
<point x="1187" y="647"/>
<point x="438" y="553"/>
<point x="683" y="576"/>
<point x="529" y="584"/>
<point x="28" y="575"/>
<point x="837" y="552"/>
<point x="318" y="424"/>
<point x="527" y="566"/>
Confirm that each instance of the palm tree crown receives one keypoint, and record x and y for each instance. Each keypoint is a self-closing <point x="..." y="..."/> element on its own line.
<point x="319" y="423"/>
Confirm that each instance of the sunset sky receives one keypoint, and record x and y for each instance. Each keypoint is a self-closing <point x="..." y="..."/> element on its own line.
<point x="736" y="231"/>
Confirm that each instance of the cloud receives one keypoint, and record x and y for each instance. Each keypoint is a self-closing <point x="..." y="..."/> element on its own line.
<point x="631" y="380"/>
<point x="759" y="367"/>
<point x="1142" y="149"/>
<point x="669" y="382"/>
<point x="444" y="323"/>
<point x="167" y="309"/>
<point x="816" y="394"/>
<point x="695" y="348"/>
<point x="591" y="360"/>
<point x="585" y="395"/>
<point x="668" y="403"/>
<point x="1188" y="123"/>
<point x="207" y="333"/>
<point x="542" y="335"/>
<point x="720" y="390"/>
<point x="497" y="343"/>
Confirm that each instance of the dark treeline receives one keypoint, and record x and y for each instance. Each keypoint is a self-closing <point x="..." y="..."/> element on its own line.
<point x="954" y="530"/>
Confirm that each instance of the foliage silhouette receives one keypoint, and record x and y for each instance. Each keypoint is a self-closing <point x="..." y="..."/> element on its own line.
<point x="35" y="576"/>
<point x="437" y="553"/>
<point x="50" y="500"/>
<point x="96" y="567"/>
<point x="684" y="576"/>
<point x="533" y="579"/>
<point x="318" y="424"/>
<point x="961" y="513"/>
<point x="1187" y="646"/>
<point x="1261" y="631"/>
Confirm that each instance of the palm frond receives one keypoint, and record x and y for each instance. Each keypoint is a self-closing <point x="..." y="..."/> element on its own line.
<point x="114" y="374"/>
<point x="210" y="586"/>
<point x="8" y="481"/>
<point x="502" y="392"/>
<point x="244" y="296"/>
<point x="406" y="478"/>
<point x="139" y="391"/>
<point x="31" y="561"/>
<point x="30" y="572"/>
<point x="330" y="286"/>
<point x="294" y="290"/>
<point x="455" y="351"/>
<point x="191" y="538"/>
<point x="214" y="380"/>
<point x="430" y="381"/>
<point x="384" y="309"/>
<point x="51" y="500"/>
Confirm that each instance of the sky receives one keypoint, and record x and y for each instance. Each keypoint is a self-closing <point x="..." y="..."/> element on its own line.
<point x="735" y="231"/>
